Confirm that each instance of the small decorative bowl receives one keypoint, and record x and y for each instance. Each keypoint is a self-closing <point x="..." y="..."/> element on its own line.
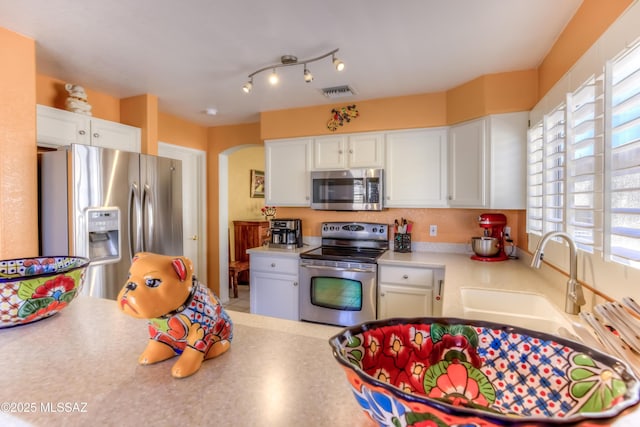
<point x="439" y="372"/>
<point x="35" y="288"/>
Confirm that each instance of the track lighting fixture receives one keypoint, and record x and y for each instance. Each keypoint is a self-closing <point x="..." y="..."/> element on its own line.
<point x="308" y="77"/>
<point x="289" y="60"/>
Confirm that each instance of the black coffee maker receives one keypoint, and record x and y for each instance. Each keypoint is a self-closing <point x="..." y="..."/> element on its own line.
<point x="285" y="233"/>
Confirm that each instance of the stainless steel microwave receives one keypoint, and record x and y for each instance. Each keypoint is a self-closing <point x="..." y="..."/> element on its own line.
<point x="347" y="190"/>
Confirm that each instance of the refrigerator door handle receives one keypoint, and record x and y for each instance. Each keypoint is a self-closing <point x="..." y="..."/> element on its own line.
<point x="134" y="217"/>
<point x="147" y="216"/>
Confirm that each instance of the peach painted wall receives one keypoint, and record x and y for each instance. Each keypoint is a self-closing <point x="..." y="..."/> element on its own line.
<point x="220" y="139"/>
<point x="591" y="19"/>
<point x="51" y="92"/>
<point x="496" y="93"/>
<point x="492" y="94"/>
<point x="18" y="152"/>
<point x="142" y="111"/>
<point x="414" y="111"/>
<point x="454" y="225"/>
<point x="177" y="131"/>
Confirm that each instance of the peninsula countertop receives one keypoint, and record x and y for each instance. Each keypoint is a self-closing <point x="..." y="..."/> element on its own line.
<point x="80" y="367"/>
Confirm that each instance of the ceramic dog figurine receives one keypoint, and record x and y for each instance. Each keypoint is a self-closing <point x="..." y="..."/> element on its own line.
<point x="185" y="317"/>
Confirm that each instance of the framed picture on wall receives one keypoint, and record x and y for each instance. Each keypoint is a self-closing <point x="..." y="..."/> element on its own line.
<point x="257" y="184"/>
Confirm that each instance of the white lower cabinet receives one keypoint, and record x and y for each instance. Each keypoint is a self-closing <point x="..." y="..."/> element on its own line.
<point x="409" y="291"/>
<point x="274" y="286"/>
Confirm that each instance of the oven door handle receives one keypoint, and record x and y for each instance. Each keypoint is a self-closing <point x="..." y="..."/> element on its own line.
<point x="324" y="267"/>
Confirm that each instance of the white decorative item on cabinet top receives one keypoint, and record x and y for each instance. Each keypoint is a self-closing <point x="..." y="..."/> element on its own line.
<point x="77" y="101"/>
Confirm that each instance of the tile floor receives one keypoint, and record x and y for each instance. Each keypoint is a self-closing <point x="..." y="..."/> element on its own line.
<point x="242" y="302"/>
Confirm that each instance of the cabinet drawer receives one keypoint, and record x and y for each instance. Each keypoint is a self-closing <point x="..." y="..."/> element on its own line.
<point x="406" y="275"/>
<point x="274" y="264"/>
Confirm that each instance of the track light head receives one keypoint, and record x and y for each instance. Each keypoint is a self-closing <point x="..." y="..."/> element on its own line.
<point x="248" y="86"/>
<point x="273" y="78"/>
<point x="308" y="77"/>
<point x="338" y="64"/>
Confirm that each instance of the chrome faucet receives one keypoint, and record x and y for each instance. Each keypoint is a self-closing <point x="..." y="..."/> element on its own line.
<point x="575" y="296"/>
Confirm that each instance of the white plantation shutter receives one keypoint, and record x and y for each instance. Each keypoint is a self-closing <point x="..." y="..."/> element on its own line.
<point x="623" y="158"/>
<point x="585" y="127"/>
<point x="535" y="158"/>
<point x="554" y="170"/>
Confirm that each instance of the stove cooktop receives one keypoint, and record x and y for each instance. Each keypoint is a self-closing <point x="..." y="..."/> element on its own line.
<point x="344" y="254"/>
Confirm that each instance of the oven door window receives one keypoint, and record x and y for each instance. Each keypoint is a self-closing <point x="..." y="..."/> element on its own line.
<point x="336" y="293"/>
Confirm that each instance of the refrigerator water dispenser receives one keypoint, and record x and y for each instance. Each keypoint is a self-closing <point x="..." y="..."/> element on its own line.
<point x="103" y="225"/>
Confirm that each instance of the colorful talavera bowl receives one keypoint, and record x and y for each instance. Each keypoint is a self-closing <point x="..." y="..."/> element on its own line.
<point x="439" y="372"/>
<point x="35" y="288"/>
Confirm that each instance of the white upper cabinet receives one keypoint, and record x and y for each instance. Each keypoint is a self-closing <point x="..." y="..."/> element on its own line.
<point x="364" y="150"/>
<point x="475" y="164"/>
<point x="508" y="161"/>
<point x="58" y="128"/>
<point x="115" y="135"/>
<point x="487" y="160"/>
<point x="287" y="165"/>
<point x="468" y="164"/>
<point x="329" y="152"/>
<point x="415" y="168"/>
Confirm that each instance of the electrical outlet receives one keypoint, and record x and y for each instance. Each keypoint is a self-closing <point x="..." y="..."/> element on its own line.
<point x="507" y="231"/>
<point x="433" y="230"/>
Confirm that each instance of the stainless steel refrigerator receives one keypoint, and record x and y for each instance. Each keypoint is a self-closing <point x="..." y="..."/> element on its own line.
<point x="107" y="205"/>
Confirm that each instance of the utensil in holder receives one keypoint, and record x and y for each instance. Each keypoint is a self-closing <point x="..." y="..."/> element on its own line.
<point x="402" y="242"/>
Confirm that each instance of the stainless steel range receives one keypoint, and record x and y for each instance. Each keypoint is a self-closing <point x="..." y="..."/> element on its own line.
<point x="338" y="281"/>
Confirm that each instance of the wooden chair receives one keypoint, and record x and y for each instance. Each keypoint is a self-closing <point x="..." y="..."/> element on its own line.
<point x="235" y="268"/>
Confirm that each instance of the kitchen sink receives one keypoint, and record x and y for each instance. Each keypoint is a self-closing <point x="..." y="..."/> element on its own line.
<point x="525" y="309"/>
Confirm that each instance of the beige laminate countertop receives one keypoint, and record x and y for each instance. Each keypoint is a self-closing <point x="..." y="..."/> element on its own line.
<point x="295" y="253"/>
<point x="80" y="367"/>
<point x="461" y="271"/>
<point x="277" y="373"/>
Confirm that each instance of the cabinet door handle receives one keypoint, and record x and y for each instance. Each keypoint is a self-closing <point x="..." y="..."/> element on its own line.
<point x="81" y="132"/>
<point x="405" y="276"/>
<point x="96" y="135"/>
<point x="382" y="294"/>
<point x="295" y="283"/>
<point x="273" y="265"/>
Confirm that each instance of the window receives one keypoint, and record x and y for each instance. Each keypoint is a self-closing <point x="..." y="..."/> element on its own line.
<point x="585" y="126"/>
<point x="584" y="164"/>
<point x="554" y="170"/>
<point x="623" y="158"/>
<point x="535" y="157"/>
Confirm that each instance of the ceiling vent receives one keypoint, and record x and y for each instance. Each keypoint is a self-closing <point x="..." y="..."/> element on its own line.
<point x="338" y="91"/>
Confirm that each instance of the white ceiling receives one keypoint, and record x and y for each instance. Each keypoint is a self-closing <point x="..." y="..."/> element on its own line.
<point x="197" y="54"/>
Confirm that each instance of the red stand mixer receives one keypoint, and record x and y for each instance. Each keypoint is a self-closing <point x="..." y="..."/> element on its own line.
<point x="490" y="247"/>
